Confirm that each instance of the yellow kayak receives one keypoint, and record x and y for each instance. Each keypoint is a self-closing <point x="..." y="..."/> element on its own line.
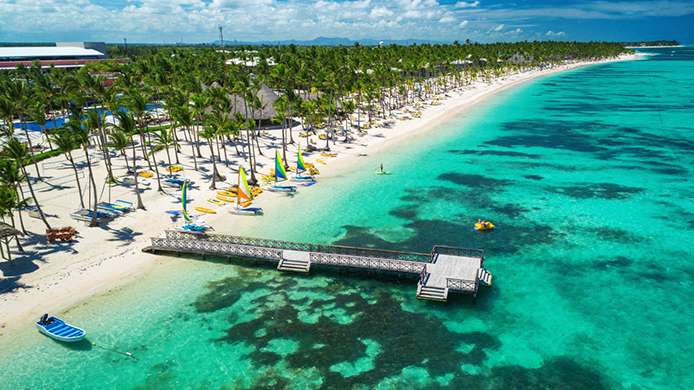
<point x="225" y="198"/>
<point x="326" y="154"/>
<point x="257" y="191"/>
<point x="216" y="202"/>
<point x="205" y="210"/>
<point x="227" y="193"/>
<point x="146" y="174"/>
<point x="174" y="168"/>
<point x="484" y="226"/>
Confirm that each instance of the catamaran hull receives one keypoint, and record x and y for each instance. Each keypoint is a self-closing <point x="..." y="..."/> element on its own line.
<point x="286" y="189"/>
<point x="303" y="179"/>
<point x="247" y="211"/>
<point x="199" y="233"/>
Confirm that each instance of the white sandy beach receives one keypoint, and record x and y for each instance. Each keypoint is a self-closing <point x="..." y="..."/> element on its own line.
<point x="54" y="277"/>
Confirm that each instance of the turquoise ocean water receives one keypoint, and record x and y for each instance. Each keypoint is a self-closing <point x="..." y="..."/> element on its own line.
<point x="587" y="175"/>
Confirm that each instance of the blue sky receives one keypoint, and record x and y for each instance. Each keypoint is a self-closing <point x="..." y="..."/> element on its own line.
<point x="251" y="20"/>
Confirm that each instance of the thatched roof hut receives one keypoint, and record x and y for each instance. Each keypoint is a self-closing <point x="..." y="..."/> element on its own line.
<point x="267" y="97"/>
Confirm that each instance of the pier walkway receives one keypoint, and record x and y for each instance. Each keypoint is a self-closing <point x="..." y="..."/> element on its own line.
<point x="444" y="270"/>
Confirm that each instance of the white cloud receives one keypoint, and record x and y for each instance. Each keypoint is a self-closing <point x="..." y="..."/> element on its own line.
<point x="551" y="33"/>
<point x="447" y="19"/>
<point x="466" y="4"/>
<point x="380" y="12"/>
<point x="251" y="20"/>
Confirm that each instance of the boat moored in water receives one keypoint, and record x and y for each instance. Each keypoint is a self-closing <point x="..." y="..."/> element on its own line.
<point x="58" y="329"/>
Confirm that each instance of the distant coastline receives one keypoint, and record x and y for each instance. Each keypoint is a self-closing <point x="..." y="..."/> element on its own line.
<point x="653" y="47"/>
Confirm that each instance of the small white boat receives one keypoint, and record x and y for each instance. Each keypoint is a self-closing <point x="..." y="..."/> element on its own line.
<point x="58" y="329"/>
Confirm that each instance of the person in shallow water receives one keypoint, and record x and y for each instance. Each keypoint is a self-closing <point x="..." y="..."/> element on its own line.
<point x="382" y="168"/>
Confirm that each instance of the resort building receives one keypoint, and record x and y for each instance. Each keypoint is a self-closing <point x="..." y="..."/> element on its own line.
<point x="60" y="55"/>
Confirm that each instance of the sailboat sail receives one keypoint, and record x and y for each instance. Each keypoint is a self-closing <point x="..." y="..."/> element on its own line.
<point x="300" y="166"/>
<point x="244" y="193"/>
<point x="280" y="171"/>
<point x="184" y="201"/>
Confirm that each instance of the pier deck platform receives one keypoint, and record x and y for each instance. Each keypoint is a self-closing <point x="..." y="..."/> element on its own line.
<point x="444" y="270"/>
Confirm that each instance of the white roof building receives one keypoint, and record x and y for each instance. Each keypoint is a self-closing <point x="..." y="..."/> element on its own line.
<point x="46" y="52"/>
<point x="62" y="55"/>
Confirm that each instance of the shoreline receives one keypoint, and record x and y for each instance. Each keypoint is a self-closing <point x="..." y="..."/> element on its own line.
<point x="100" y="262"/>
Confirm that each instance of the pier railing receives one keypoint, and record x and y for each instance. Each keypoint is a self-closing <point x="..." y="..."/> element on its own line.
<point x="216" y="248"/>
<point x="306" y="247"/>
<point x="374" y="263"/>
<point x="460" y="284"/>
<point x="455" y="251"/>
<point x="293" y="256"/>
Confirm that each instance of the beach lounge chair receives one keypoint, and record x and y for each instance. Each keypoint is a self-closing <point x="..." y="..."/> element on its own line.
<point x="110" y="208"/>
<point x="85" y="215"/>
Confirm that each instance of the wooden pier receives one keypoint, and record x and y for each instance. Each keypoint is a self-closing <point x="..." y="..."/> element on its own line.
<point x="444" y="270"/>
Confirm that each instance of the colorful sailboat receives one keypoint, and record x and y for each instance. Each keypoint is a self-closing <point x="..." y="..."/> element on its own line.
<point x="189" y="226"/>
<point x="281" y="175"/>
<point x="244" y="196"/>
<point x="301" y="168"/>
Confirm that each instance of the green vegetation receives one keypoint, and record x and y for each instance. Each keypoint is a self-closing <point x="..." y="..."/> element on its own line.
<point x="225" y="96"/>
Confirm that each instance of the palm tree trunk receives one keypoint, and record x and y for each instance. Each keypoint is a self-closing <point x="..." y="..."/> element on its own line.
<point x="197" y="143"/>
<point x="213" y="186"/>
<point x="31" y="153"/>
<point x="168" y="156"/>
<point x="19" y="212"/>
<point x="156" y="170"/>
<point x="144" y="151"/>
<point x="19" y="244"/>
<point x="77" y="177"/>
<point x="226" y="157"/>
<point x="94" y="221"/>
<point x="284" y="142"/>
<point x="140" y="205"/>
<point x="127" y="164"/>
<point x="192" y="147"/>
<point x="33" y="196"/>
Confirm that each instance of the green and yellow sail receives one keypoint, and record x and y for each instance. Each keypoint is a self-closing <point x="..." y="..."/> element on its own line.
<point x="184" y="201"/>
<point x="300" y="165"/>
<point x="280" y="171"/>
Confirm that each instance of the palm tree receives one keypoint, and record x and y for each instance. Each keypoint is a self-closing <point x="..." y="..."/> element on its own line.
<point x="120" y="140"/>
<point x="8" y="202"/>
<point x="184" y="117"/>
<point x="209" y="133"/>
<point x="125" y="123"/>
<point x="281" y="107"/>
<point x="18" y="151"/>
<point x="81" y="130"/>
<point x="66" y="143"/>
<point x="163" y="141"/>
<point x="11" y="175"/>
<point x="38" y="115"/>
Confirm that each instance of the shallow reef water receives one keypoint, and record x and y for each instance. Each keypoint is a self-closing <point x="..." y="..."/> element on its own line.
<point x="587" y="175"/>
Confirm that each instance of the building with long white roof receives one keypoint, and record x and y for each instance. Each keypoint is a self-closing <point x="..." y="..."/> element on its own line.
<point x="62" y="54"/>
